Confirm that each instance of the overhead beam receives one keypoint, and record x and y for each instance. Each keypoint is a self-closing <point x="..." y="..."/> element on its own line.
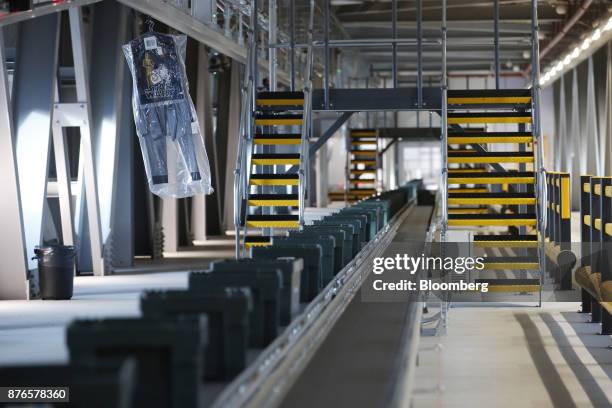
<point x="376" y="99"/>
<point x="457" y="11"/>
<point x="192" y="27"/>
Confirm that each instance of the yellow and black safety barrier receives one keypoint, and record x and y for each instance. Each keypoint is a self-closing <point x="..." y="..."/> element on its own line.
<point x="558" y="232"/>
<point x="594" y="276"/>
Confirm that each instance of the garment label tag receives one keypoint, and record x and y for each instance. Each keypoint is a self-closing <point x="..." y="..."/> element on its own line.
<point x="195" y="129"/>
<point x="150" y="43"/>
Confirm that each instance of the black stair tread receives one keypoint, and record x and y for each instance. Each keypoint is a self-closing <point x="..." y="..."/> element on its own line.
<point x="273" y="196"/>
<point x="495" y="238"/>
<point x="278" y="116"/>
<point x="491" y="195"/>
<point x="487" y="93"/>
<point x="273" y="217"/>
<point x="280" y="95"/>
<point x="490" y="174"/>
<point x="492" y="216"/>
<point x="509" y="259"/>
<point x="276" y="155"/>
<point x="487" y="134"/>
<point x="362" y="189"/>
<point x="257" y="238"/>
<point x="452" y="153"/>
<point x="499" y="114"/>
<point x="275" y="176"/>
<point x="517" y="281"/>
<point x="278" y="136"/>
<point x="357" y="151"/>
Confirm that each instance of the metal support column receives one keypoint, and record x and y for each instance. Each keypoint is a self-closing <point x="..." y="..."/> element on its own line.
<point x="254" y="47"/>
<point x="327" y="60"/>
<point x="272" y="52"/>
<point x="202" y="206"/>
<point x="111" y="122"/>
<point x="170" y="224"/>
<point x="221" y="140"/>
<point x="87" y="157"/>
<point x="496" y="40"/>
<point x="14" y="272"/>
<point x="34" y="87"/>
<point x="292" y="44"/>
<point x="394" y="45"/>
<point x="537" y="135"/>
<point x="62" y="167"/>
<point x="444" y="127"/>
<point x="231" y="147"/>
<point x="419" y="8"/>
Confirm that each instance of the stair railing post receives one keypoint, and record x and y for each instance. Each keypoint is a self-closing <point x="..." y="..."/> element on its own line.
<point x="496" y="41"/>
<point x="444" y="126"/>
<point x="292" y="45"/>
<point x="537" y="135"/>
<point x="304" y="171"/>
<point x="241" y="172"/>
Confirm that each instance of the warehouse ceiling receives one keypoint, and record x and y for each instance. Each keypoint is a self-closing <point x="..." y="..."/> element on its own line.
<point x="470" y="31"/>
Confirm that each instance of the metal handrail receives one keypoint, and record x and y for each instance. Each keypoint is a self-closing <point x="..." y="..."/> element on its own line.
<point x="241" y="173"/>
<point x="537" y="134"/>
<point x="303" y="172"/>
<point x="444" y="125"/>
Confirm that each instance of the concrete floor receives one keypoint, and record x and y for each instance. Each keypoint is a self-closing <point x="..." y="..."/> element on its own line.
<point x="32" y="332"/>
<point x="515" y="357"/>
<point x="490" y="356"/>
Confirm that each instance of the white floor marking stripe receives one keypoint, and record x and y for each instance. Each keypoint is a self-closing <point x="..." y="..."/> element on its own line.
<point x="566" y="373"/>
<point x="586" y="358"/>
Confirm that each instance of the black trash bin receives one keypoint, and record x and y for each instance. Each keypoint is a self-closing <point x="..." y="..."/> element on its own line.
<point x="55" y="271"/>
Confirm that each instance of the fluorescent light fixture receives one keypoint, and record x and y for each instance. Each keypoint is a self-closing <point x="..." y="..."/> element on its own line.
<point x="567" y="60"/>
<point x="586" y="44"/>
<point x="557" y="66"/>
<point x="345" y="2"/>
<point x="575" y="53"/>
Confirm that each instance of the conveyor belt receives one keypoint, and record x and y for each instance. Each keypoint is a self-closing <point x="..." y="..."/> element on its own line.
<point x="357" y="363"/>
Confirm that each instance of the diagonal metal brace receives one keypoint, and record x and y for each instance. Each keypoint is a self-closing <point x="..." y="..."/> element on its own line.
<point x="481" y="149"/>
<point x="329" y="133"/>
<point x="324" y="138"/>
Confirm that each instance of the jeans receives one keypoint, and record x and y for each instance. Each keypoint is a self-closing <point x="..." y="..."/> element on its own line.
<point x="174" y="121"/>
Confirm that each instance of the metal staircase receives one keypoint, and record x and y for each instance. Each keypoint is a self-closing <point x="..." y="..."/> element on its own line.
<point x="272" y="164"/>
<point x="362" y="164"/>
<point x="497" y="203"/>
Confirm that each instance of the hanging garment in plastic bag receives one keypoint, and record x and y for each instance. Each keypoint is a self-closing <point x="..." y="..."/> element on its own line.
<point x="168" y="130"/>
